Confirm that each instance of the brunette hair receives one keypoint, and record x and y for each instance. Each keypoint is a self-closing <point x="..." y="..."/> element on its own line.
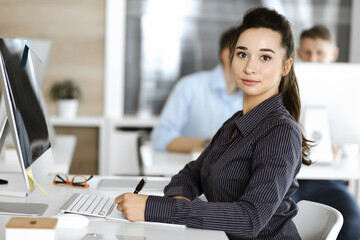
<point x="226" y="39"/>
<point x="318" y="31"/>
<point x="271" y="19"/>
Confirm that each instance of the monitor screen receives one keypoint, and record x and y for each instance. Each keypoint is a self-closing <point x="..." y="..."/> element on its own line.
<point x="28" y="116"/>
<point x="334" y="87"/>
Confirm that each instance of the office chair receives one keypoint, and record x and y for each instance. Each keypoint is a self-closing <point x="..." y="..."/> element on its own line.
<point x="143" y="136"/>
<point x="317" y="221"/>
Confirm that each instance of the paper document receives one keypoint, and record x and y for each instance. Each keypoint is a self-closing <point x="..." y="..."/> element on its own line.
<point x="117" y="216"/>
<point x="97" y="236"/>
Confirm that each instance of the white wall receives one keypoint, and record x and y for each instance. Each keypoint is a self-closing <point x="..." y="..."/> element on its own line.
<point x="355" y="32"/>
<point x="114" y="58"/>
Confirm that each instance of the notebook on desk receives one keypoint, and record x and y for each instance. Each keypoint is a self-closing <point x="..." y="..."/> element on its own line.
<point x="100" y="206"/>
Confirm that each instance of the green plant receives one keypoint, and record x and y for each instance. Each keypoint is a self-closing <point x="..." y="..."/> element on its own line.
<point x="66" y="89"/>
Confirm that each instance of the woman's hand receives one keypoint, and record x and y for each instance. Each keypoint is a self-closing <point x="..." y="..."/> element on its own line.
<point x="132" y="206"/>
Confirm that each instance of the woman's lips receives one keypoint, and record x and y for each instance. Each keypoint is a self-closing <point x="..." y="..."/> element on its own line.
<point x="249" y="82"/>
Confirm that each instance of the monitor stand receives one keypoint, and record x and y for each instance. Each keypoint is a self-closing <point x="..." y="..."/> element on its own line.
<point x="16" y="188"/>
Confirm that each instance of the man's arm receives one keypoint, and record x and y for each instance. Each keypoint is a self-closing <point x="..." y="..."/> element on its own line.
<point x="173" y="117"/>
<point x="184" y="144"/>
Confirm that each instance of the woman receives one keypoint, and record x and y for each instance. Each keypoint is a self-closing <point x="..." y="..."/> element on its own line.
<point x="248" y="172"/>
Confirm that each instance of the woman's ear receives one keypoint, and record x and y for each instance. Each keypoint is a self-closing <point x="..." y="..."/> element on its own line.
<point x="225" y="53"/>
<point x="335" y="54"/>
<point x="288" y="63"/>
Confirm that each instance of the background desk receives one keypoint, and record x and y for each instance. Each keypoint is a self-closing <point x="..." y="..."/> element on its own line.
<point x="58" y="195"/>
<point x="63" y="150"/>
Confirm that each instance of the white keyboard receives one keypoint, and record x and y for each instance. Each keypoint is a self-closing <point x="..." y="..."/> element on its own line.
<point x="88" y="204"/>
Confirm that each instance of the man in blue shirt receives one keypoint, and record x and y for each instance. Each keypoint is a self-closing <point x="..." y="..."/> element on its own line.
<point x="198" y="106"/>
<point x="318" y="45"/>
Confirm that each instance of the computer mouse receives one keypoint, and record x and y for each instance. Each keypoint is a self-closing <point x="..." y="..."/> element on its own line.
<point x="69" y="220"/>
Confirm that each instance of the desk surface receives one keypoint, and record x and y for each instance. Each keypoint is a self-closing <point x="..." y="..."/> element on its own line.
<point x="100" y="185"/>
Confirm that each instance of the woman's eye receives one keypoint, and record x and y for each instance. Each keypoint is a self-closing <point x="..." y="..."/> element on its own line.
<point x="265" y="58"/>
<point x="242" y="54"/>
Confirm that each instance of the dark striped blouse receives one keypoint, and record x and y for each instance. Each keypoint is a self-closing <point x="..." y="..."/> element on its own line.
<point x="248" y="174"/>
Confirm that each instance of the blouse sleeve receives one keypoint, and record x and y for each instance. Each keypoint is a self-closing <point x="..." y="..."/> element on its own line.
<point x="187" y="182"/>
<point x="275" y="165"/>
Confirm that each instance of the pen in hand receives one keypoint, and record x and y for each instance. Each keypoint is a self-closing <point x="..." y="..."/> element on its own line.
<point x="140" y="185"/>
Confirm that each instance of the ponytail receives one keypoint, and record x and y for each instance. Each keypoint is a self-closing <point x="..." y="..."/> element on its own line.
<point x="289" y="89"/>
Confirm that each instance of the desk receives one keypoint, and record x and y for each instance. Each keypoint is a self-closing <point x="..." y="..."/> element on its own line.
<point x="162" y="163"/>
<point x="58" y="195"/>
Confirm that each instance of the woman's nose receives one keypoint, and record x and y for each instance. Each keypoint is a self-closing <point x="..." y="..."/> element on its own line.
<point x="250" y="66"/>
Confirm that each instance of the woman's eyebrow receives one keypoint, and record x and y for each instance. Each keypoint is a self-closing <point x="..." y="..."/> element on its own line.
<point x="241" y="47"/>
<point x="267" y="50"/>
<point x="261" y="49"/>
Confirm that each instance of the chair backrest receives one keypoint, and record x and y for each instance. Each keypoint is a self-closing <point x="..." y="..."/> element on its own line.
<point x="317" y="221"/>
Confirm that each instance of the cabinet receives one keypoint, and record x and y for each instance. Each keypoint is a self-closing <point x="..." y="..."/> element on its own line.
<point x="118" y="141"/>
<point x="123" y="142"/>
<point x="89" y="150"/>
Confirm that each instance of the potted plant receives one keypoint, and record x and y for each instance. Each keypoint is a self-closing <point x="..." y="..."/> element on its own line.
<point x="67" y="94"/>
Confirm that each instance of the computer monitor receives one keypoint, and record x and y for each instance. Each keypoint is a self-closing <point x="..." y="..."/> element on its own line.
<point x="24" y="118"/>
<point x="40" y="58"/>
<point x="41" y="49"/>
<point x="334" y="87"/>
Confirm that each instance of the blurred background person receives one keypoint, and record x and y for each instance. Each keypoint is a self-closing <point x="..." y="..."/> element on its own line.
<point x="198" y="105"/>
<point x="318" y="45"/>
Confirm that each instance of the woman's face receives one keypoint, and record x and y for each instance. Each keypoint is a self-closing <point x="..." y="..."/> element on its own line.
<point x="258" y="63"/>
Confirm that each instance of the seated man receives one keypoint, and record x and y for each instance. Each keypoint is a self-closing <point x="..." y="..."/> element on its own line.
<point x="317" y="45"/>
<point x="198" y="106"/>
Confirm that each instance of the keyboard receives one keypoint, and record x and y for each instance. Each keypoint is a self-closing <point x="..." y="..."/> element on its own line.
<point x="88" y="204"/>
<point x="99" y="206"/>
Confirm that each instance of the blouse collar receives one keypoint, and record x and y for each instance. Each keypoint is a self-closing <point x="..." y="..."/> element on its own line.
<point x="246" y="123"/>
